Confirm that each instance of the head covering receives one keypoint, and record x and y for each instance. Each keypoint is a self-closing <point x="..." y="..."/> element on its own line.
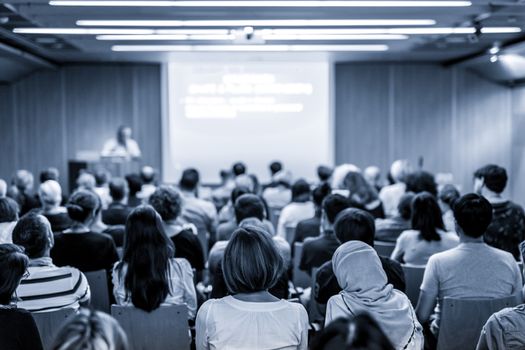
<point x="365" y="289"/>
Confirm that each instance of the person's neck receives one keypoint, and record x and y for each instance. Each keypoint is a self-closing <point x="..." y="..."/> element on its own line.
<point x="260" y="297"/>
<point x="189" y="192"/>
<point x="98" y="226"/>
<point x="467" y="239"/>
<point x="78" y="227"/>
<point x="493" y="197"/>
<point x="50" y="209"/>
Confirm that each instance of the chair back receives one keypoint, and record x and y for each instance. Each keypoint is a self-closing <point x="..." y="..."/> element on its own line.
<point x="163" y="328"/>
<point x="300" y="277"/>
<point x="413" y="279"/>
<point x="98" y="284"/>
<point x="290" y="234"/>
<point x="316" y="311"/>
<point x="384" y="248"/>
<point x="49" y="323"/>
<point x="463" y="319"/>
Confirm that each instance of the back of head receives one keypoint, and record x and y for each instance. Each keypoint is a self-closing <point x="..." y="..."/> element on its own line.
<point x="319" y="194"/>
<point x="372" y="173"/>
<point x="449" y="194"/>
<point x="275" y="167"/>
<point x="147" y="174"/>
<point x="421" y="181"/>
<point x="237" y="192"/>
<point x="13" y="265"/>
<point x="283" y="178"/>
<point x="300" y="191"/>
<point x="333" y="204"/>
<point x="251" y="261"/>
<point x="134" y="183"/>
<point x="50" y="193"/>
<point x="49" y="174"/>
<point x="244" y="180"/>
<point x="339" y="174"/>
<point x="238" y="168"/>
<point x="473" y="214"/>
<point x="147" y="251"/>
<point x="426" y="216"/>
<point x="118" y="189"/>
<point x="494" y="177"/>
<point x="8" y="210"/>
<point x="91" y="330"/>
<point x="359" y="188"/>
<point x="102" y="177"/>
<point x="23" y="180"/>
<point x="82" y="205"/>
<point x="33" y="233"/>
<point x="399" y="169"/>
<point x="86" y="181"/>
<point x="189" y="180"/>
<point x="324" y="173"/>
<point x="167" y="201"/>
<point x="355" y="225"/>
<point x="404" y="207"/>
<point x="3" y="188"/>
<point x="249" y="206"/>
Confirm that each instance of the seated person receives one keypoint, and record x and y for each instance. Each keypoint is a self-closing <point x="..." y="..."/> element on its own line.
<point x="79" y="246"/>
<point x="147" y="176"/>
<point x="50" y="194"/>
<point x="318" y="250"/>
<point x="447" y="196"/>
<point x="135" y="185"/>
<point x="504" y="330"/>
<point x="149" y="275"/>
<point x="312" y="227"/>
<point x="391" y="194"/>
<point x="389" y="229"/>
<point x="46" y="287"/>
<point x="102" y="177"/>
<point x="363" y="195"/>
<point x="299" y="209"/>
<point x="365" y="289"/>
<point x="427" y="237"/>
<point x="117" y="211"/>
<point x="91" y="329"/>
<point x="485" y="272"/>
<point x="279" y="195"/>
<point x="8" y="218"/>
<point x="251" y="317"/>
<point x="354" y="225"/>
<point x="19" y="330"/>
<point x="167" y="201"/>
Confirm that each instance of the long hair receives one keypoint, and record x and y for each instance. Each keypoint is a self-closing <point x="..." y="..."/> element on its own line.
<point x="147" y="252"/>
<point x="13" y="265"/>
<point x="360" y="188"/>
<point x="426" y="216"/>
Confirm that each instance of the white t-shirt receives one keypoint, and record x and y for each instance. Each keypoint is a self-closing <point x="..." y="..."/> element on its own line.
<point x="416" y="251"/>
<point x="230" y="324"/>
<point x="292" y="214"/>
<point x="390" y="196"/>
<point x="112" y="148"/>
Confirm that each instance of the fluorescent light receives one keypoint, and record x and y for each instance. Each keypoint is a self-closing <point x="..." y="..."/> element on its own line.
<point x="379" y="31"/>
<point x="334" y="37"/>
<point x="174" y="48"/>
<point x="502" y="30"/>
<point x="168" y="37"/>
<point x="258" y="22"/>
<point x="268" y="3"/>
<point x="81" y="31"/>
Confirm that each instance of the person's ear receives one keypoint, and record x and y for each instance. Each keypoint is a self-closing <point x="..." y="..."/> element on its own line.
<point x="50" y="239"/>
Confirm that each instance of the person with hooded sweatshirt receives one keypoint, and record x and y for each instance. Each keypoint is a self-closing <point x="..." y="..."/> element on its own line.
<point x="365" y="289"/>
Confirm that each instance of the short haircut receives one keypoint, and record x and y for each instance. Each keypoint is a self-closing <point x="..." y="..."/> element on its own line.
<point x="189" y="179"/>
<point x="249" y="206"/>
<point x="86" y="180"/>
<point x="8" y="210"/>
<point x="50" y="192"/>
<point x="319" y="194"/>
<point x="32" y="232"/>
<point x="102" y="177"/>
<point x="118" y="188"/>
<point x="449" y="194"/>
<point x="23" y="180"/>
<point x="333" y="204"/>
<point x="300" y="188"/>
<point x="421" y="181"/>
<point x="13" y="265"/>
<point x="355" y="225"/>
<point x="147" y="174"/>
<point x="167" y="201"/>
<point x="134" y="183"/>
<point x="237" y="192"/>
<point x="238" y="169"/>
<point x="324" y="172"/>
<point x="405" y="205"/>
<point x="494" y="177"/>
<point x="49" y="174"/>
<point x="82" y="204"/>
<point x="473" y="213"/>
<point x="399" y="169"/>
<point x="275" y="167"/>
<point x="251" y="261"/>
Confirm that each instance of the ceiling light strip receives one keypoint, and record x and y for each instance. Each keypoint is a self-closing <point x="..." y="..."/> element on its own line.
<point x="175" y="48"/>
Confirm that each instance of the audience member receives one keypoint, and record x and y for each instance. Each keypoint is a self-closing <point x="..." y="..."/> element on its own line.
<point x="312" y="227"/>
<point x="504" y="330"/>
<point x="354" y="225"/>
<point x="318" y="250"/>
<point x="135" y="186"/>
<point x="448" y="195"/>
<point x="3" y="188"/>
<point x="365" y="288"/>
<point x="221" y="195"/>
<point x="372" y="175"/>
<point x="18" y="331"/>
<point x="147" y="175"/>
<point x="280" y="194"/>
<point x="49" y="174"/>
<point x="118" y="210"/>
<point x="421" y="181"/>
<point x="228" y="223"/>
<point x="363" y="195"/>
<point x="167" y="201"/>
<point x="102" y="178"/>
<point x="46" y="287"/>
<point x="8" y="218"/>
<point x="324" y="173"/>
<point x="50" y="195"/>
<point x="251" y="317"/>
<point x="91" y="330"/>
<point x="389" y="229"/>
<point x="391" y="194"/>
<point x="115" y="231"/>
<point x="507" y="228"/>
<point x="238" y="168"/>
<point x="86" y="181"/>
<point x="471" y="270"/>
<point x="299" y="209"/>
<point x="79" y="246"/>
<point x="427" y="236"/>
<point x="339" y="174"/>
<point x="148" y="275"/>
<point x="21" y="190"/>
<point x="275" y="167"/>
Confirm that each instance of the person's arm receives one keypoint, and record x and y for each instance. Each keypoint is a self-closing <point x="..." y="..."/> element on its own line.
<point x="109" y="148"/>
<point x="281" y="232"/>
<point x="190" y="296"/>
<point x="83" y="292"/>
<point x="201" y="327"/>
<point x="399" y="249"/>
<point x="429" y="292"/>
<point x="425" y="306"/>
<point x="134" y="149"/>
<point x="326" y="284"/>
<point x="304" y="324"/>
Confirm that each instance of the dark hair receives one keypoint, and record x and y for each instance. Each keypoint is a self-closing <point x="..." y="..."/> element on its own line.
<point x="147" y="174"/>
<point x="32" y="232"/>
<point x="324" y="172"/>
<point x="249" y="206"/>
<point x="405" y="205"/>
<point x="82" y="204"/>
<point x="361" y="332"/>
<point x="427" y="217"/>
<point x="238" y="168"/>
<point x="333" y="204"/>
<point x="8" y="209"/>
<point x="449" y="194"/>
<point x="120" y="133"/>
<point x="275" y="167"/>
<point x="238" y="191"/>
<point x="118" y="188"/>
<point x="360" y="190"/>
<point x="49" y="174"/>
<point x="421" y="181"/>
<point x="13" y="265"/>
<point x="147" y="251"/>
<point x="354" y="224"/>
<point x="300" y="191"/>
<point x="134" y="183"/>
<point x="251" y="261"/>
<point x="319" y="194"/>
<point x="189" y="179"/>
<point x="167" y="201"/>
<point x="473" y="213"/>
<point x="494" y="177"/>
<point x="101" y="176"/>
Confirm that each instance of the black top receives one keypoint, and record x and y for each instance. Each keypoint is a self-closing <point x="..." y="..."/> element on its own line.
<point x="507" y="229"/>
<point x="307" y="228"/>
<point x="326" y="284"/>
<point x="59" y="222"/>
<point x="317" y="251"/>
<point x="89" y="251"/>
<point x="117" y="233"/>
<point x="188" y="246"/>
<point x="116" y="214"/>
<point x="134" y="201"/>
<point x="18" y="330"/>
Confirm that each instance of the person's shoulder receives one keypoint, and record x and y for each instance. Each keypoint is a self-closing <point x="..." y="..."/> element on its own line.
<point x="182" y="263"/>
<point x="298" y="308"/>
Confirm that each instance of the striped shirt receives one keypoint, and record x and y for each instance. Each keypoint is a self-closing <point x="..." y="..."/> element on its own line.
<point x="49" y="288"/>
